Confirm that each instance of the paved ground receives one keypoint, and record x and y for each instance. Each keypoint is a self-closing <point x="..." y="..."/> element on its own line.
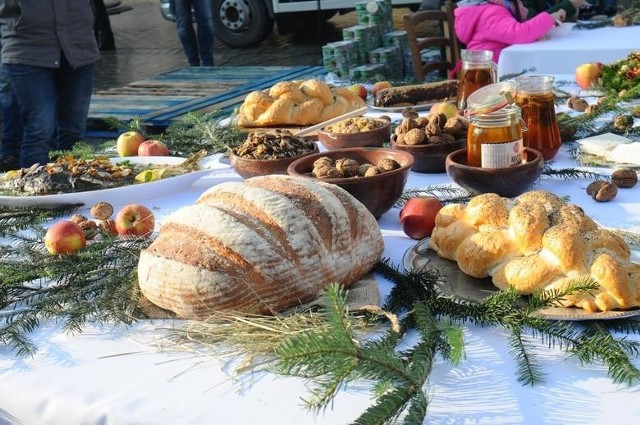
<point x="147" y="45"/>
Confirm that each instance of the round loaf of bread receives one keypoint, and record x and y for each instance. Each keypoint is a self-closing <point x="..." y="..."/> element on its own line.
<point x="260" y="246"/>
<point x="538" y="242"/>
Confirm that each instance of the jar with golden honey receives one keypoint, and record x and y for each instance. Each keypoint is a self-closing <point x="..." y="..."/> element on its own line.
<point x="534" y="96"/>
<point x="494" y="139"/>
<point x="478" y="70"/>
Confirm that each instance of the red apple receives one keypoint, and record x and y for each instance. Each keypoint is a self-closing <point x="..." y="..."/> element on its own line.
<point x="153" y="148"/>
<point x="135" y="220"/>
<point x="377" y="86"/>
<point x="360" y="90"/>
<point x="588" y="74"/>
<point x="418" y="216"/>
<point x="446" y="108"/>
<point x="64" y="237"/>
<point x="128" y="143"/>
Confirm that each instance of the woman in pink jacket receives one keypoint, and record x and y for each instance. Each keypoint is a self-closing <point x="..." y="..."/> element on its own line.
<point x="496" y="24"/>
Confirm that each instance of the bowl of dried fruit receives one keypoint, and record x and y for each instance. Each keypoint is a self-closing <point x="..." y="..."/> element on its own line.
<point x="507" y="182"/>
<point x="429" y="139"/>
<point x="374" y="176"/>
<point x="356" y="132"/>
<point x="269" y="152"/>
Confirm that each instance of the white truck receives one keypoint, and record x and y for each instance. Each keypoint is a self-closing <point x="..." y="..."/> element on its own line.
<point x="244" y="23"/>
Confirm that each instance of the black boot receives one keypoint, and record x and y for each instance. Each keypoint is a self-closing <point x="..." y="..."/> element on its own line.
<point x="8" y="163"/>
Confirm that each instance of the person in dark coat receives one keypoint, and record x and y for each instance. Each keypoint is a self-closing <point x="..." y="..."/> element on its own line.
<point x="49" y="51"/>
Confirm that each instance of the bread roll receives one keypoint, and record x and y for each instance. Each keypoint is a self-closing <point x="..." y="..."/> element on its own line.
<point x="262" y="245"/>
<point x="296" y="103"/>
<point x="538" y="242"/>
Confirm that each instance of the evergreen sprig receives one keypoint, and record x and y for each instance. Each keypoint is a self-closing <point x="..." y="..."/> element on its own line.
<point x="400" y="375"/>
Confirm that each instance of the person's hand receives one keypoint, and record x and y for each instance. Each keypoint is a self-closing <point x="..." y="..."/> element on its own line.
<point x="559" y="15"/>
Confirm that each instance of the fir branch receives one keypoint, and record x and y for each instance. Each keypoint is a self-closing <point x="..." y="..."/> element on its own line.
<point x="15" y="219"/>
<point x="569" y="173"/>
<point x="527" y="369"/>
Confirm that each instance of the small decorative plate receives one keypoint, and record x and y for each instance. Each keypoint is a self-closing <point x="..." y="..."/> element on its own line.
<point x="457" y="284"/>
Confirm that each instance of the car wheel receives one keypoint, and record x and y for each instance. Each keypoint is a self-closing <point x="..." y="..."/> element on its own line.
<point x="241" y="23"/>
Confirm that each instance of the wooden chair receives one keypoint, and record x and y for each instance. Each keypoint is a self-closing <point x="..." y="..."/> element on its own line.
<point x="446" y="41"/>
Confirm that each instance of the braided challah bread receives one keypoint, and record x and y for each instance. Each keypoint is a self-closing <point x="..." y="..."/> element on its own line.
<point x="262" y="245"/>
<point x="296" y="103"/>
<point x="538" y="242"/>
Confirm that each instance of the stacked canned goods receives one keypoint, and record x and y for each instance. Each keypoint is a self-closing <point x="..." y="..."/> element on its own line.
<point x="340" y="56"/>
<point x="391" y="58"/>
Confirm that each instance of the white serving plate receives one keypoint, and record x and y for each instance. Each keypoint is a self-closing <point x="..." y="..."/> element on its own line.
<point x="125" y="194"/>
<point x="457" y="284"/>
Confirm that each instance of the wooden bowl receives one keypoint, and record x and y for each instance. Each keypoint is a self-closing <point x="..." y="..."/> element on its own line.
<point x="372" y="138"/>
<point x="429" y="158"/>
<point x="507" y="182"/>
<point x="378" y="193"/>
<point x="249" y="167"/>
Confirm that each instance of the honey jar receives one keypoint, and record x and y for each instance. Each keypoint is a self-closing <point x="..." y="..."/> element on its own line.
<point x="478" y="70"/>
<point x="534" y="96"/>
<point x="494" y="139"/>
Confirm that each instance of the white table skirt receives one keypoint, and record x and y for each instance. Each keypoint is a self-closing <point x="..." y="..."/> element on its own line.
<point x="126" y="375"/>
<point x="562" y="54"/>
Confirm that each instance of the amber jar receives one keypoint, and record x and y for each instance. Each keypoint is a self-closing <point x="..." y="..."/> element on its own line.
<point x="478" y="70"/>
<point x="534" y="96"/>
<point x="494" y="139"/>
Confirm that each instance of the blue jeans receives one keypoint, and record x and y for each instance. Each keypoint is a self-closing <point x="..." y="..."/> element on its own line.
<point x="11" y="119"/>
<point x="54" y="103"/>
<point x="199" y="50"/>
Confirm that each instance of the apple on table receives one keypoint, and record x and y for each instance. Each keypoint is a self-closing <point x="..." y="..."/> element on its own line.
<point x="380" y="85"/>
<point x="418" y="216"/>
<point x="64" y="237"/>
<point x="360" y="90"/>
<point x="448" y="109"/>
<point x="588" y="74"/>
<point x="128" y="143"/>
<point x="152" y="147"/>
<point x="134" y="220"/>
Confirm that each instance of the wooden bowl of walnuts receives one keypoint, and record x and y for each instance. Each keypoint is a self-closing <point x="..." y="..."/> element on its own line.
<point x="430" y="139"/>
<point x="356" y="132"/>
<point x="374" y="176"/>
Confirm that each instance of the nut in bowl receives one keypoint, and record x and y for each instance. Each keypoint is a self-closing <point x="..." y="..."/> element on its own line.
<point x="429" y="138"/>
<point x="507" y="182"/>
<point x="269" y="152"/>
<point x="356" y="132"/>
<point x="378" y="175"/>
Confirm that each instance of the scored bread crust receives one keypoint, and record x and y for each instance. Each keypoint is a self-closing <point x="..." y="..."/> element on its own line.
<point x="538" y="242"/>
<point x="261" y="246"/>
<point x="299" y="102"/>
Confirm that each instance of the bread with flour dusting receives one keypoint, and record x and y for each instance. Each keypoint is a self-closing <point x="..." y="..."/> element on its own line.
<point x="538" y="242"/>
<point x="262" y="245"/>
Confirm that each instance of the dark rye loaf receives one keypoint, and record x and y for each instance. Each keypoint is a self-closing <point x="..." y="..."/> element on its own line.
<point x="260" y="246"/>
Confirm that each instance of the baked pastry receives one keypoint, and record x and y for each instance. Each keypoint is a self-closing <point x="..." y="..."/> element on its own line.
<point x="416" y="94"/>
<point x="296" y="103"/>
<point x="538" y="242"/>
<point x="262" y="245"/>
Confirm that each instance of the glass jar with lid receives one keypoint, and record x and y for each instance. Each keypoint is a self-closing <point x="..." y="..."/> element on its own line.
<point x="534" y="96"/>
<point x="494" y="139"/>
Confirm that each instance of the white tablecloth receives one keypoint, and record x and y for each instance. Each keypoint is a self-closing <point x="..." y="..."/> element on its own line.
<point x="562" y="54"/>
<point x="126" y="375"/>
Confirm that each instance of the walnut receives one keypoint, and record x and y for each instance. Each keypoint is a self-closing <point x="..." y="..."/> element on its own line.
<point x="604" y="191"/>
<point x="399" y="138"/>
<point x="415" y="136"/>
<point x="454" y="125"/>
<point x="363" y="168"/>
<point x="89" y="228"/>
<point x="102" y="210"/>
<point x="326" y="161"/>
<point x="594" y="186"/>
<point x="623" y="122"/>
<point x="635" y="111"/>
<point x="435" y="140"/>
<point x="591" y="109"/>
<point x="437" y="119"/>
<point x="624" y="178"/>
<point x="107" y="227"/>
<point x="422" y="121"/>
<point x="406" y="125"/>
<point x="326" y="172"/>
<point x="577" y="104"/>
<point x="372" y="171"/>
<point x="433" y="129"/>
<point x="347" y="167"/>
<point x="409" y="112"/>
<point x="388" y="164"/>
<point x="78" y="218"/>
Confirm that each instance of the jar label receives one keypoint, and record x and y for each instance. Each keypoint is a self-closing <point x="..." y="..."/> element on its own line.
<point x="501" y="155"/>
